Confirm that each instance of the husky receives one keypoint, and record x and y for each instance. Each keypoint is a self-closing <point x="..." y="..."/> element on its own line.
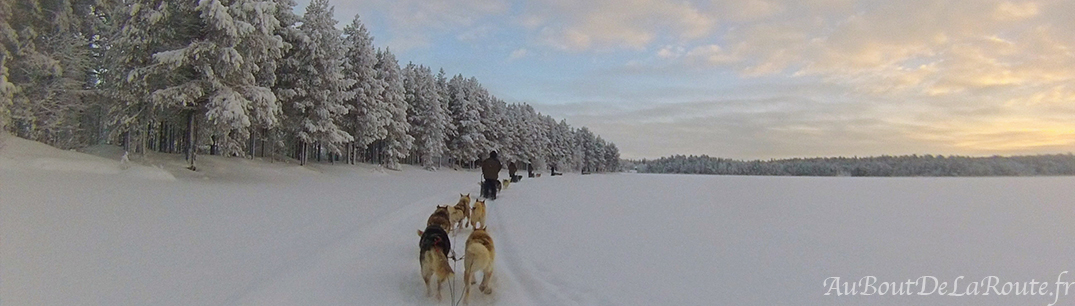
<point x="479" y="257"/>
<point x="499" y="186"/>
<point x="464" y="206"/>
<point x="433" y="256"/>
<point x="440" y="217"/>
<point x="478" y="214"/>
<point x="505" y="183"/>
<point x="455" y="216"/>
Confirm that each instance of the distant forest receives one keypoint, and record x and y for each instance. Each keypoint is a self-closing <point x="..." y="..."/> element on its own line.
<point x="905" y="165"/>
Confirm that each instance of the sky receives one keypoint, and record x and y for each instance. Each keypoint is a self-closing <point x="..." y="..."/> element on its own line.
<point x="759" y="79"/>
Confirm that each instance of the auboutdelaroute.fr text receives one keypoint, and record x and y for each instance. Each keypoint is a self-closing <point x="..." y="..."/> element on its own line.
<point x="960" y="286"/>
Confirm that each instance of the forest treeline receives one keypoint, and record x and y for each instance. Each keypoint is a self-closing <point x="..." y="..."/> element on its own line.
<point x="251" y="78"/>
<point x="905" y="165"/>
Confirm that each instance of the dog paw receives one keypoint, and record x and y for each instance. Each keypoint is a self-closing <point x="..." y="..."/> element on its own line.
<point x="486" y="290"/>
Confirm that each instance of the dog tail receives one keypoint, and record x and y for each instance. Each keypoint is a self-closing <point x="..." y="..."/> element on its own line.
<point x="444" y="262"/>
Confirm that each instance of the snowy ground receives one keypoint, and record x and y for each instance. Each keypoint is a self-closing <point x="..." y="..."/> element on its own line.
<point x="77" y="229"/>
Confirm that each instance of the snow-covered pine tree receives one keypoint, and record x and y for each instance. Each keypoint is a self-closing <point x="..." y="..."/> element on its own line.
<point x="537" y="142"/>
<point x="561" y="144"/>
<point x="585" y="141"/>
<point x="48" y="69"/>
<point x="314" y="84"/>
<point x="545" y="129"/>
<point x="467" y="143"/>
<point x="288" y="81"/>
<point x="596" y="154"/>
<point x="612" y="157"/>
<point x="445" y="98"/>
<point x="397" y="142"/>
<point x="265" y="132"/>
<point x="207" y="70"/>
<point x="500" y="125"/>
<point x="487" y="114"/>
<point x="125" y="63"/>
<point x="511" y="143"/>
<point x="367" y="119"/>
<point x="8" y="39"/>
<point x="426" y="115"/>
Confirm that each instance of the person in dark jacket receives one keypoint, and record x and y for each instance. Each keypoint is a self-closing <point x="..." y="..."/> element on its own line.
<point x="511" y="172"/>
<point x="491" y="171"/>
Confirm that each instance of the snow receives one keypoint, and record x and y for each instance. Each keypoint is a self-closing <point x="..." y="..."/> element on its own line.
<point x="30" y="158"/>
<point x="83" y="231"/>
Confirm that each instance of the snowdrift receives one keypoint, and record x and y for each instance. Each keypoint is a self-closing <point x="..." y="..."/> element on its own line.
<point x="17" y="154"/>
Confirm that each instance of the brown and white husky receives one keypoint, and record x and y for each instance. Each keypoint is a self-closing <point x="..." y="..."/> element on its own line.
<point x="460" y="211"/>
<point x="440" y="217"/>
<point x="479" y="257"/>
<point x="478" y="214"/>
<point x="433" y="256"/>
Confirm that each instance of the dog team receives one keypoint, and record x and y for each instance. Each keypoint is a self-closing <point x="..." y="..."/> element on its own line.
<point x="434" y="246"/>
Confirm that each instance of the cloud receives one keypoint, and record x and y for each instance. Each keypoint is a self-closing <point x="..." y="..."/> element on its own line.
<point x="1015" y="11"/>
<point x="611" y="24"/>
<point x="669" y="51"/>
<point x="712" y="55"/>
<point x="517" y="54"/>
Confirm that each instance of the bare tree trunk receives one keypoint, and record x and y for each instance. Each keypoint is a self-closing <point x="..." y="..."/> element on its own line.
<point x="252" y="142"/>
<point x="145" y="139"/>
<point x="127" y="139"/>
<point x="160" y="139"/>
<point x="272" y="142"/>
<point x="190" y="140"/>
<point x="302" y="155"/>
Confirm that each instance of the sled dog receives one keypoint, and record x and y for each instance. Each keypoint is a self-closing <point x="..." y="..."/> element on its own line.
<point x="464" y="206"/>
<point x="433" y="256"/>
<point x="479" y="257"/>
<point x="478" y="214"/>
<point x="505" y="183"/>
<point x="440" y="217"/>
<point x="455" y="216"/>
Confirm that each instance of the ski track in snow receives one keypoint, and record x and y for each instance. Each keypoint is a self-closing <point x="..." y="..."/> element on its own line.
<point x="519" y="274"/>
<point x="379" y="242"/>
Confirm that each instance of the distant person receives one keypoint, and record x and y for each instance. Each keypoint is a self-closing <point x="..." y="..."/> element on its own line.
<point x="529" y="170"/>
<point x="511" y="171"/>
<point x="552" y="170"/>
<point x="491" y="171"/>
